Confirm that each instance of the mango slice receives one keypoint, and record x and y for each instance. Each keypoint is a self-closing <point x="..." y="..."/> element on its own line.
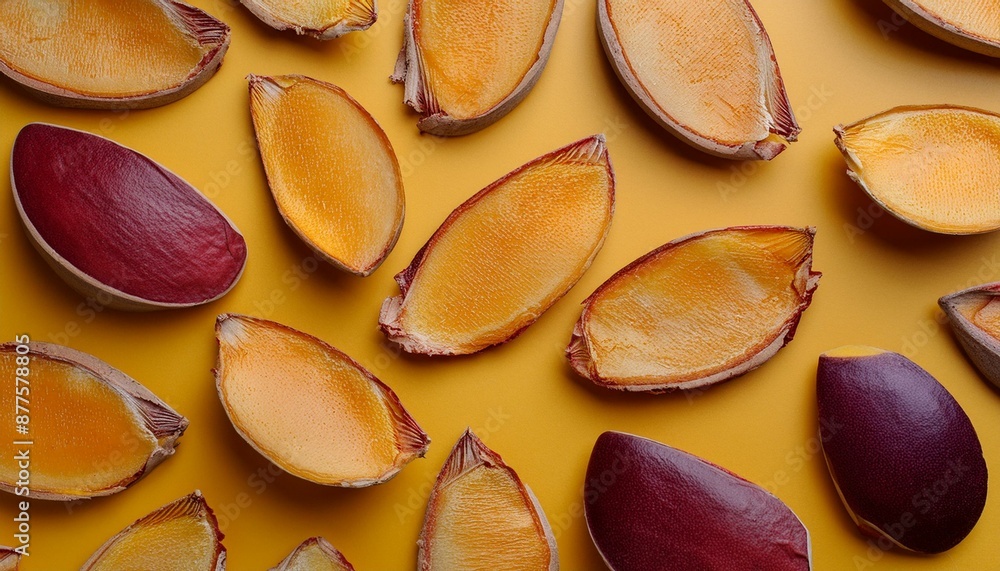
<point x="465" y="64"/>
<point x="933" y="167"/>
<point x="10" y="560"/>
<point x="321" y="19"/>
<point x="650" y="506"/>
<point x="902" y="453"/>
<point x="118" y="227"/>
<point x="505" y="255"/>
<point x="696" y="311"/>
<point x="94" y="430"/>
<point x="974" y="315"/>
<point x="331" y="169"/>
<point x="310" y="409"/>
<point x="314" y="554"/>
<point x="971" y="25"/>
<point x="109" y="54"/>
<point x="704" y="70"/>
<point x="180" y="536"/>
<point x="481" y="517"/>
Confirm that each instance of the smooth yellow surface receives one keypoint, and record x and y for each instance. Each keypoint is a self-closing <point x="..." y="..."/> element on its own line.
<point x="331" y="169"/>
<point x="308" y="409"/>
<point x="507" y="257"/>
<point x="113" y="48"/>
<point x="978" y="17"/>
<point x="87" y="438"/>
<point x="702" y="63"/>
<point x="476" y="53"/>
<point x="880" y="287"/>
<point x="699" y="308"/>
<point x="317" y="14"/>
<point x="939" y="168"/>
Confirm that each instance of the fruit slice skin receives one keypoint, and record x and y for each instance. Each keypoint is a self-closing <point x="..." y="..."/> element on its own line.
<point x="321" y="19"/>
<point x="480" y="517"/>
<point x="667" y="509"/>
<point x="180" y="536"/>
<point x="315" y="554"/>
<point x="351" y="211"/>
<point x="974" y="315"/>
<point x="634" y="336"/>
<point x="10" y="560"/>
<point x="38" y="40"/>
<point x="118" y="423"/>
<point x="954" y="22"/>
<point x="934" y="167"/>
<point x="559" y="205"/>
<point x="460" y="77"/>
<point x="117" y="226"/>
<point x="281" y="387"/>
<point x="897" y="433"/>
<point x="723" y="111"/>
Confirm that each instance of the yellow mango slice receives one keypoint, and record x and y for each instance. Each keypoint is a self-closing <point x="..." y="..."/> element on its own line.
<point x="696" y="311"/>
<point x="465" y="64"/>
<point x="321" y="19"/>
<point x="974" y="316"/>
<point x="331" y="169"/>
<point x="88" y="54"/>
<point x="180" y="536"/>
<point x="310" y="409"/>
<point x="93" y="431"/>
<point x="969" y="24"/>
<point x="314" y="554"/>
<point x="505" y="255"/>
<point x="481" y="517"/>
<point x="933" y="167"/>
<point x="704" y="70"/>
<point x="10" y="560"/>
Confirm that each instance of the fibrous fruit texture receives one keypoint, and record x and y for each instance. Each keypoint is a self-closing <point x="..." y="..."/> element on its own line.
<point x="969" y="24"/>
<point x="321" y="19"/>
<point x="314" y="554"/>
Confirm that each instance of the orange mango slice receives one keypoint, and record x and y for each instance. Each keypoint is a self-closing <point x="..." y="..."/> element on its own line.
<point x="85" y="54"/>
<point x="314" y="554"/>
<point x="974" y="315"/>
<point x="933" y="167"/>
<point x="94" y="431"/>
<point x="505" y="255"/>
<point x="696" y="311"/>
<point x="971" y="25"/>
<point x="331" y="169"/>
<point x="704" y="70"/>
<point x="465" y="64"/>
<point x="181" y="536"/>
<point x="310" y="409"/>
<point x="481" y="517"/>
<point x="321" y="19"/>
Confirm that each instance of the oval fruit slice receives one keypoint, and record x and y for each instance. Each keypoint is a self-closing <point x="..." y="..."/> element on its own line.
<point x="465" y="64"/>
<point x="94" y="430"/>
<point x="119" y="227"/>
<point x="85" y="54"/>
<point x="697" y="311"/>
<point x="310" y="409"/>
<point x="972" y="25"/>
<point x="505" y="255"/>
<point x="704" y="70"/>
<point x="480" y="517"/>
<point x="321" y="19"/>
<point x="974" y="315"/>
<point x="903" y="455"/>
<point x="650" y="506"/>
<point x="180" y="536"/>
<point x="331" y="169"/>
<point x="933" y="167"/>
<point x="314" y="554"/>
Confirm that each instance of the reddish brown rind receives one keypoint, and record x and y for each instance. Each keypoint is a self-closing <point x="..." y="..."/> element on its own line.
<point x="119" y="227"/>
<point x="650" y="506"/>
<point x="10" y="560"/>
<point x="902" y="453"/>
<point x="982" y="348"/>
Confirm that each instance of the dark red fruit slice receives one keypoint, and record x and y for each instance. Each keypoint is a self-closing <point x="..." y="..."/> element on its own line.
<point x="650" y="506"/>
<point x="117" y="225"/>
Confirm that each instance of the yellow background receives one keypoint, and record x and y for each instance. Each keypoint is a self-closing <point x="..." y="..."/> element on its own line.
<point x="841" y="59"/>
